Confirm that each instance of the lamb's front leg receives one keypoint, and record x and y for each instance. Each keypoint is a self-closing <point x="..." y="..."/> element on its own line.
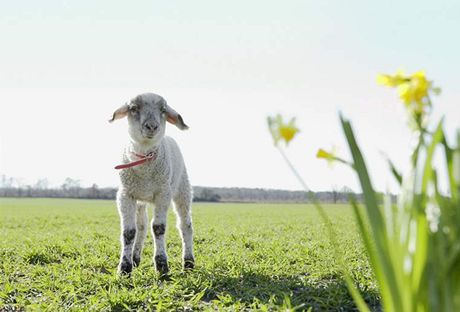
<point x="158" y="231"/>
<point x="142" y="221"/>
<point x="127" y="211"/>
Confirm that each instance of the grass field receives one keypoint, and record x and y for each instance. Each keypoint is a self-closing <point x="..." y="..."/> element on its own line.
<point x="58" y="254"/>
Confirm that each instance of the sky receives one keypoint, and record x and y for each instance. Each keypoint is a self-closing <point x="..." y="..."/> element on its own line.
<point x="65" y="66"/>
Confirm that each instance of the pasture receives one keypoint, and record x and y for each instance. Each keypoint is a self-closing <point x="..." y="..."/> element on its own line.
<point x="62" y="254"/>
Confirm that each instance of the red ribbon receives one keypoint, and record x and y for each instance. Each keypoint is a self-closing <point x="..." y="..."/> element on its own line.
<point x="143" y="159"/>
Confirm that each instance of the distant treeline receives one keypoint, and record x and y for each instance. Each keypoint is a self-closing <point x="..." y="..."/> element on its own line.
<point x="93" y="192"/>
<point x="71" y="189"/>
<point x="201" y="194"/>
<point x="238" y="194"/>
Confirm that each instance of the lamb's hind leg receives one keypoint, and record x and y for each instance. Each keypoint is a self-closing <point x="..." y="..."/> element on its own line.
<point x="142" y="222"/>
<point x="183" y="208"/>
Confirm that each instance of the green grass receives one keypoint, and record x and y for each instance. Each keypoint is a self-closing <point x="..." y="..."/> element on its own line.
<point x="60" y="254"/>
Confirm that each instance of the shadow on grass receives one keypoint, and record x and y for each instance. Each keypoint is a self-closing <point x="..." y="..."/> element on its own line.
<point x="325" y="293"/>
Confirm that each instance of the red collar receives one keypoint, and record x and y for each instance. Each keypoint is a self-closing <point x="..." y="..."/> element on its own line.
<point x="142" y="159"/>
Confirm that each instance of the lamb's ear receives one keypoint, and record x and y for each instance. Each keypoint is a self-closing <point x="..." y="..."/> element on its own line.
<point x="120" y="113"/>
<point x="173" y="117"/>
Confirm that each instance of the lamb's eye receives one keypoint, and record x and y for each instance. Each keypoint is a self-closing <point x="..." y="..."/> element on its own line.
<point x="134" y="109"/>
<point x="163" y="109"/>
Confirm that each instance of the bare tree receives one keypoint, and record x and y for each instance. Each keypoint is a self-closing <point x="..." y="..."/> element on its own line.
<point x="71" y="187"/>
<point x="94" y="191"/>
<point x="335" y="194"/>
<point x="41" y="184"/>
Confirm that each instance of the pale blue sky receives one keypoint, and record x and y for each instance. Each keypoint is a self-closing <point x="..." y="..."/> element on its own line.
<point x="66" y="65"/>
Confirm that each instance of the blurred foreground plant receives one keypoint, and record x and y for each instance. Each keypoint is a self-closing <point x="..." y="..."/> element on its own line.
<point x="413" y="246"/>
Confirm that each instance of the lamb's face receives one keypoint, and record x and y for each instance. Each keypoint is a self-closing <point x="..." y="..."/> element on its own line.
<point x="147" y="115"/>
<point x="147" y="118"/>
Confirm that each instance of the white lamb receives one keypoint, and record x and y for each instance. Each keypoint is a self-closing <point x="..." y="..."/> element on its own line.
<point x="153" y="171"/>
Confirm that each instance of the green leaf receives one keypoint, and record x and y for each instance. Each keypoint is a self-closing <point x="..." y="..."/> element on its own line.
<point x="449" y="154"/>
<point x="390" y="288"/>
<point x="428" y="170"/>
<point x="394" y="171"/>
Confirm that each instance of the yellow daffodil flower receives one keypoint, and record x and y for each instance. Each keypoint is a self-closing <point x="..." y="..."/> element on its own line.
<point x="331" y="156"/>
<point x="323" y="154"/>
<point x="392" y="81"/>
<point x="287" y="132"/>
<point x="413" y="89"/>
<point x="281" y="130"/>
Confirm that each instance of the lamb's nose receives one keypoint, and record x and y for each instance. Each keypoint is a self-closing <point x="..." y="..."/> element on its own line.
<point x="150" y="127"/>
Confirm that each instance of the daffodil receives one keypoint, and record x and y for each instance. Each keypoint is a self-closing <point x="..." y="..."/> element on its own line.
<point x="324" y="154"/>
<point x="392" y="81"/>
<point x="281" y="130"/>
<point x="412" y="88"/>
<point x="413" y="91"/>
<point x="287" y="132"/>
<point x="331" y="156"/>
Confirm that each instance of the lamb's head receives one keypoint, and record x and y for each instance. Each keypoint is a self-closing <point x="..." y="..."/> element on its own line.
<point x="147" y="115"/>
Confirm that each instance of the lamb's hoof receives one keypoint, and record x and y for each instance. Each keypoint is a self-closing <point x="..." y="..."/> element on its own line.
<point x="136" y="261"/>
<point x="189" y="263"/>
<point x="125" y="268"/>
<point x="161" y="264"/>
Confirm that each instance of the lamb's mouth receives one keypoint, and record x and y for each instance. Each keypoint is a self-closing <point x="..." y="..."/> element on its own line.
<point x="148" y="135"/>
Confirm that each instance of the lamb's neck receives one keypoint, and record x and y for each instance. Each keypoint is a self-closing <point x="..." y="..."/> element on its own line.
<point x="144" y="148"/>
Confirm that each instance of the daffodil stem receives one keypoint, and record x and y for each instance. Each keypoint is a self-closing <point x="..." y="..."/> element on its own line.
<point x="294" y="171"/>
<point x="338" y="254"/>
<point x="312" y="197"/>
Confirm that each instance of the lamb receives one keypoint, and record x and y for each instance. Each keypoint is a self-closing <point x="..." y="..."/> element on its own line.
<point x="153" y="171"/>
